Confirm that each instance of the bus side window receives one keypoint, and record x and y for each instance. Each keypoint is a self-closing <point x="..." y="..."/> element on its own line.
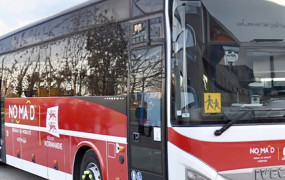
<point x="141" y="7"/>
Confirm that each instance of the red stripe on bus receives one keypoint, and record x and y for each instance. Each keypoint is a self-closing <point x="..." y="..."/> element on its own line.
<point x="224" y="156"/>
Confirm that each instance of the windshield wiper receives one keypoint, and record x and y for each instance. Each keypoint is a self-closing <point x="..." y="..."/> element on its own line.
<point x="220" y="131"/>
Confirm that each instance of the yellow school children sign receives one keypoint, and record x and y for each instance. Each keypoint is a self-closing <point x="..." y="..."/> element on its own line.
<point x="212" y="103"/>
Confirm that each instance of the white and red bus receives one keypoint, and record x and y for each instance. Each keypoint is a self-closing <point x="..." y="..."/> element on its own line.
<point x="147" y="90"/>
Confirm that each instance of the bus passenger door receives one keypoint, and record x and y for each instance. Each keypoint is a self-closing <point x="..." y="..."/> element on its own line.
<point x="146" y="133"/>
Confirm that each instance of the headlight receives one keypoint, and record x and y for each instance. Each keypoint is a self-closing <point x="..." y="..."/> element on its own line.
<point x="192" y="175"/>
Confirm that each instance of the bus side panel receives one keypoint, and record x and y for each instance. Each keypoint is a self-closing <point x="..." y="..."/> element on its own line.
<point x="33" y="150"/>
<point x="103" y="130"/>
<point x="23" y="136"/>
<point x="41" y="129"/>
<point x="9" y="143"/>
<point x="108" y="155"/>
<point x="117" y="161"/>
<point x="56" y="155"/>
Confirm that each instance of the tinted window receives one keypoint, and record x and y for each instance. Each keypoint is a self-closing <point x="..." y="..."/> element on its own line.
<point x="141" y="7"/>
<point x="81" y="19"/>
<point x="90" y="63"/>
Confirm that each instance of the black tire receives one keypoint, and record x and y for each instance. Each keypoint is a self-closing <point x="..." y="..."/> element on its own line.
<point x="90" y="167"/>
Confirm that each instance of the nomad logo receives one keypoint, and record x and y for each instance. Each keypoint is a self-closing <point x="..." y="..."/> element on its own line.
<point x="22" y="112"/>
<point x="270" y="173"/>
<point x="261" y="151"/>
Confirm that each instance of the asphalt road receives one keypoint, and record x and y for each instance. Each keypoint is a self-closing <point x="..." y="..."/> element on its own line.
<point x="10" y="173"/>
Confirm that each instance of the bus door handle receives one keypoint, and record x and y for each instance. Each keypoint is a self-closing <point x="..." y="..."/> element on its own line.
<point x="136" y="137"/>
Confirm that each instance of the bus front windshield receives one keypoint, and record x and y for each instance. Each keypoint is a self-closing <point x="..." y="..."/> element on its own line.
<point x="227" y="64"/>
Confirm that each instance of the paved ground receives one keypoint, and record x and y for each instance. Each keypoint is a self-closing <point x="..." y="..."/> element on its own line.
<point x="10" y="173"/>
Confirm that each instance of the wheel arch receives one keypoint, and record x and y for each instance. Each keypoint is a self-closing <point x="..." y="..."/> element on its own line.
<point x="82" y="148"/>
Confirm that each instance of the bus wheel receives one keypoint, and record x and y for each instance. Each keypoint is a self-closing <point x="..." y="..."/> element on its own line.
<point x="90" y="167"/>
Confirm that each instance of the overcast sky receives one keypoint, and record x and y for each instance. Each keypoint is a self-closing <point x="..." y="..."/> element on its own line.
<point x="17" y="13"/>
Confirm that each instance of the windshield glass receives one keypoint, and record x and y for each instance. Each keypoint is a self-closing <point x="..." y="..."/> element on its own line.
<point x="218" y="73"/>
